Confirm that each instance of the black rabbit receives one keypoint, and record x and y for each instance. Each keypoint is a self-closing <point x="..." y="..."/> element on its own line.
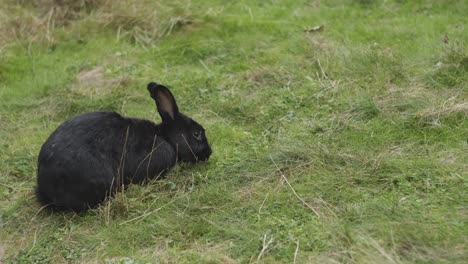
<point x="92" y="155"/>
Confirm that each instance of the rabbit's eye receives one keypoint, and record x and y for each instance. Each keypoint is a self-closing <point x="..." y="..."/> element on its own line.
<point x="197" y="135"/>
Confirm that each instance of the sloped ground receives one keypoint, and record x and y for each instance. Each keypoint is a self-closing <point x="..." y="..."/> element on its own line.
<point x="344" y="144"/>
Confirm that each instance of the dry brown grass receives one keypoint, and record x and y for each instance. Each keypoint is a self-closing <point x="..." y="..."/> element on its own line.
<point x="142" y="22"/>
<point x="63" y="11"/>
<point x="94" y="82"/>
<point x="433" y="115"/>
<point x="37" y="20"/>
<point x="18" y="24"/>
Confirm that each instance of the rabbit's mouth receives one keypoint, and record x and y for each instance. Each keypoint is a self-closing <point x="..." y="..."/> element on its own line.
<point x="204" y="156"/>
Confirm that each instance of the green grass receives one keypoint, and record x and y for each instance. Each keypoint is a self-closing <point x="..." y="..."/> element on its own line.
<point x="344" y="145"/>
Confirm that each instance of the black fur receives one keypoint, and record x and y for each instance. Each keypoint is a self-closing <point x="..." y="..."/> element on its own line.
<point x="92" y="155"/>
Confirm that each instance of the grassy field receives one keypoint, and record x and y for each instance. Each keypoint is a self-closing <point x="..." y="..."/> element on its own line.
<point x="346" y="143"/>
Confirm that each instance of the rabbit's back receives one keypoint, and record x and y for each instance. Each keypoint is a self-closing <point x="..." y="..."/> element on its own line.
<point x="89" y="155"/>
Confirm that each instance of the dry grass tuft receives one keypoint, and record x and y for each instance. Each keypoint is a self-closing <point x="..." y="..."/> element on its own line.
<point x="427" y="107"/>
<point x="37" y="20"/>
<point x="17" y="24"/>
<point x="93" y="82"/>
<point x="262" y="77"/>
<point x="321" y="45"/>
<point x="113" y="208"/>
<point x="142" y="22"/>
<point x="64" y="11"/>
<point x="432" y="116"/>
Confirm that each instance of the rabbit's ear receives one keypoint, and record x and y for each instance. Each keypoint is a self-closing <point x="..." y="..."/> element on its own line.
<point x="167" y="106"/>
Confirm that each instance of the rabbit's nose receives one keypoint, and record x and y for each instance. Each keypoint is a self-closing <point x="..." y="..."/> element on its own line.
<point x="206" y="154"/>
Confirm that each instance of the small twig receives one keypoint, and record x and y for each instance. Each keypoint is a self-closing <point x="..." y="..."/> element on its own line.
<point x="292" y="189"/>
<point x="314" y="29"/>
<point x="264" y="200"/>
<point x="296" y="251"/>
<point x="265" y="246"/>
<point x="250" y="12"/>
<point x="50" y="24"/>
<point x="233" y="86"/>
<point x="206" y="67"/>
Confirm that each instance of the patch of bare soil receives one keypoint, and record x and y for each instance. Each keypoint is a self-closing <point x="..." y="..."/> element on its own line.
<point x="94" y="82"/>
